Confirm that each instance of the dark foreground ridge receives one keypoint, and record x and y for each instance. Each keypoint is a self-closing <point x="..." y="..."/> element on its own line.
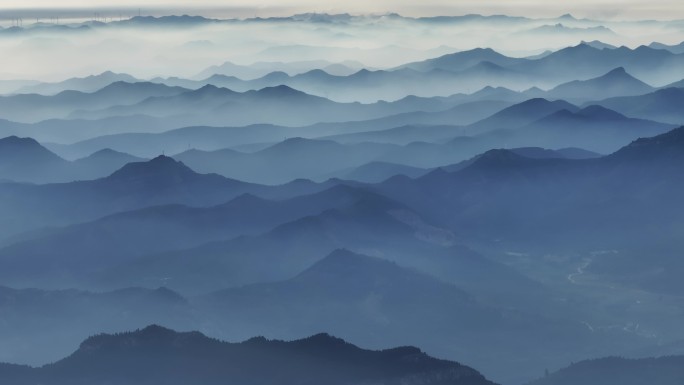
<point x="156" y="355"/>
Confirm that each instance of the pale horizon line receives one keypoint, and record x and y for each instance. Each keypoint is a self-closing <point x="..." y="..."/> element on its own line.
<point x="268" y="12"/>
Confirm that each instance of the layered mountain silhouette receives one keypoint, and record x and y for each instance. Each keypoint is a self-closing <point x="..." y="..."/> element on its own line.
<point x="375" y="172"/>
<point x="103" y="162"/>
<point x="520" y="114"/>
<point x="85" y="84"/>
<point x="159" y="181"/>
<point x="285" y="161"/>
<point x="534" y="185"/>
<point x="220" y="104"/>
<point x="561" y="29"/>
<point x="585" y="61"/>
<point x="122" y="237"/>
<point x="63" y="104"/>
<point x="24" y="159"/>
<point x="676" y="48"/>
<point x="215" y="138"/>
<point x="661" y="105"/>
<point x="463" y="60"/>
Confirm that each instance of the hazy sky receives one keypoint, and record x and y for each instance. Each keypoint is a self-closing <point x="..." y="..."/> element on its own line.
<point x="661" y="9"/>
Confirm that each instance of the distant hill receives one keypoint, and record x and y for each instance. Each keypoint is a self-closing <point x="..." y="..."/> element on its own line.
<point x="25" y="160"/>
<point x="86" y="84"/>
<point x="375" y="172"/>
<point x="599" y="44"/>
<point x="676" y="48"/>
<point x="117" y="239"/>
<point x="560" y="29"/>
<point x="585" y="61"/>
<point x="542" y="182"/>
<point x="663" y="105"/>
<point x="65" y="103"/>
<point x="520" y="114"/>
<point x="159" y="181"/>
<point x="615" y="83"/>
<point x="285" y="161"/>
<point x="158" y="355"/>
<point x="619" y="371"/>
<point x="460" y="61"/>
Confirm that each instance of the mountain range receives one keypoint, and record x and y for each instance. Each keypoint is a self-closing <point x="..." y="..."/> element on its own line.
<point x="159" y="181"/>
<point x="25" y="160"/>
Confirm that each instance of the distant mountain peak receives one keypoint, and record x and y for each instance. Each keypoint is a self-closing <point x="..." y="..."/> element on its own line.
<point x="498" y="155"/>
<point x="150" y="335"/>
<point x="581" y="47"/>
<point x="108" y="153"/>
<point x="619" y="74"/>
<point x="487" y="65"/>
<point x="207" y="88"/>
<point x="208" y="91"/>
<point x="276" y="76"/>
<point x="155" y="329"/>
<point x="536" y="103"/>
<point x="616" y="82"/>
<point x="282" y="91"/>
<point x="160" y="167"/>
<point x="618" y="71"/>
<point x="14" y="140"/>
<point x="598" y="44"/>
<point x="323" y="341"/>
<point x="25" y="150"/>
<point x="343" y="262"/>
<point x="600" y="112"/>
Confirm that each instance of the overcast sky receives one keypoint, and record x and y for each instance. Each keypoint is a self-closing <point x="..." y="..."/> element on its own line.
<point x="627" y="9"/>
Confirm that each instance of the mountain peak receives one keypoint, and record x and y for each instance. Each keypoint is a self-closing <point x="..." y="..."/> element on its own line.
<point x="618" y="71"/>
<point x="23" y="151"/>
<point x="616" y="82"/>
<point x="152" y="335"/>
<point x="323" y="341"/>
<point x="17" y="141"/>
<point x="109" y="154"/>
<point x="345" y="263"/>
<point x="156" y="330"/>
<point x="161" y="167"/>
<point x="536" y="104"/>
<point x="276" y="76"/>
<point x="599" y="112"/>
<point x="282" y="91"/>
<point x="208" y="90"/>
